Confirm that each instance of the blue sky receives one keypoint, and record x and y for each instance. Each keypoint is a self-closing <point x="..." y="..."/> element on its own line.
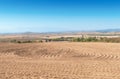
<point x="58" y="15"/>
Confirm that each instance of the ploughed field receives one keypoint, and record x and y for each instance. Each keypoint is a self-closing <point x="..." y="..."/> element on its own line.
<point x="60" y="60"/>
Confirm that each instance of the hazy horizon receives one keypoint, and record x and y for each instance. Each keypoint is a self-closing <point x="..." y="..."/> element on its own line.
<point x="18" y="16"/>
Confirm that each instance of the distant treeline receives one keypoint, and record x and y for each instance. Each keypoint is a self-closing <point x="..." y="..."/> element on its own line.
<point x="94" y="39"/>
<point x="70" y="39"/>
<point x="88" y="39"/>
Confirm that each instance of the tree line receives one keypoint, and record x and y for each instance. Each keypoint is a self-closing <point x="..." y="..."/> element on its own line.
<point x="69" y="39"/>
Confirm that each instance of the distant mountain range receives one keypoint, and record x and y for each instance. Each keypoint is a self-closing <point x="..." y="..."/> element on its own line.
<point x="69" y="32"/>
<point x="109" y="30"/>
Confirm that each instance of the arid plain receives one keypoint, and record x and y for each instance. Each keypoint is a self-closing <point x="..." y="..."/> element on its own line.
<point x="60" y="60"/>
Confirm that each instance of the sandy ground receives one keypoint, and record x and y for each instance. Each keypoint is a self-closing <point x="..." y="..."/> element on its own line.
<point x="60" y="61"/>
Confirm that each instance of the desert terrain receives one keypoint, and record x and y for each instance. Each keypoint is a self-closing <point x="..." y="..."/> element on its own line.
<point x="60" y="60"/>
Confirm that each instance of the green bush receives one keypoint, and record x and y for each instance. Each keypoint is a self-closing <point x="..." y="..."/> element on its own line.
<point x="89" y="39"/>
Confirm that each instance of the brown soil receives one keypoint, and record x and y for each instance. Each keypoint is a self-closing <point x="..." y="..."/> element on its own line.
<point x="60" y="61"/>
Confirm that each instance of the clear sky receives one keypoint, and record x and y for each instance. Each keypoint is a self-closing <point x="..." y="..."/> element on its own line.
<point x="58" y="15"/>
